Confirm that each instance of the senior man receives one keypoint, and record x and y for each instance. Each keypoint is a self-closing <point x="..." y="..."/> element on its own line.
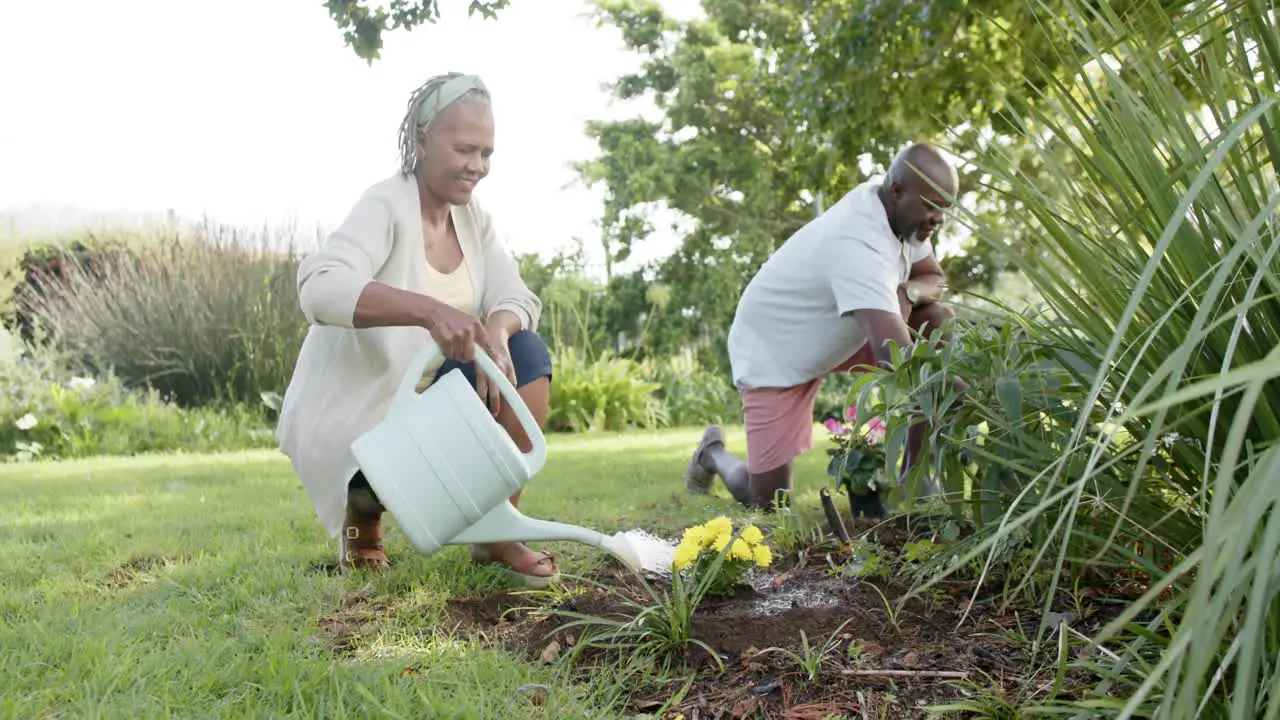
<point x="859" y="275"/>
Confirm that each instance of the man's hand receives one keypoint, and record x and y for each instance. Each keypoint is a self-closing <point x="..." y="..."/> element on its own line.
<point x="879" y="327"/>
<point x="905" y="306"/>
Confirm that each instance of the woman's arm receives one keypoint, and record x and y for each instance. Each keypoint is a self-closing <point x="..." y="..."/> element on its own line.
<point x="505" y="292"/>
<point x="332" y="282"/>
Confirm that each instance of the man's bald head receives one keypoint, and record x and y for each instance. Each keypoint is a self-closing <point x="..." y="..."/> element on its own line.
<point x="913" y="205"/>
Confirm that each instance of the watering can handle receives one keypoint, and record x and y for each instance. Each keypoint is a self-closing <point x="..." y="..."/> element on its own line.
<point x="537" y="456"/>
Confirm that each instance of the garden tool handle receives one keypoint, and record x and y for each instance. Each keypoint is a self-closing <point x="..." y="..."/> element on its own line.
<point x="833" y="517"/>
<point x="536" y="458"/>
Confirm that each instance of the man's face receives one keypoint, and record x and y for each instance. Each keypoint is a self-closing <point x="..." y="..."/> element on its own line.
<point x="920" y="209"/>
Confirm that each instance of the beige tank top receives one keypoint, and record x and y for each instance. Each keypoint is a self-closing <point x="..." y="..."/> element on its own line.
<point x="456" y="290"/>
<point x="453" y="289"/>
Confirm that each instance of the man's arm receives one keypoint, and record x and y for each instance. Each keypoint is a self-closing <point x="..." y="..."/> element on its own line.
<point x="879" y="327"/>
<point x="926" y="279"/>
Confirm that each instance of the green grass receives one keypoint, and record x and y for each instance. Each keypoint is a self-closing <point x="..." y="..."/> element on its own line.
<point x="184" y="586"/>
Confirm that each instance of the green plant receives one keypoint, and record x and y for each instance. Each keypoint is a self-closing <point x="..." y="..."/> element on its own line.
<point x="866" y="559"/>
<point x="691" y="394"/>
<point x="811" y="658"/>
<point x="609" y="393"/>
<point x="858" y="462"/>
<point x="713" y="553"/>
<point x="201" y="318"/>
<point x="49" y="412"/>
<point x="1162" y="465"/>
<point x="657" y="631"/>
<point x="790" y="531"/>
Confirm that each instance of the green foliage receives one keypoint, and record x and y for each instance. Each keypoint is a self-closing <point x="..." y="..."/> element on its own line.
<point x="1132" y="429"/>
<point x="656" y="629"/>
<point x="200" y="319"/>
<point x="771" y="111"/>
<point x="614" y="393"/>
<point x="363" y="26"/>
<point x="608" y="394"/>
<point x="47" y="412"/>
<point x="691" y="394"/>
<point x="46" y="263"/>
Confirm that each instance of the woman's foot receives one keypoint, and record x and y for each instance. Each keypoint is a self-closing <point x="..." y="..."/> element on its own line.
<point x="536" y="569"/>
<point x="362" y="542"/>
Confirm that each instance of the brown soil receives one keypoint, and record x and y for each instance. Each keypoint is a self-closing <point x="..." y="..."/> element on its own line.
<point x="136" y="569"/>
<point x="890" y="672"/>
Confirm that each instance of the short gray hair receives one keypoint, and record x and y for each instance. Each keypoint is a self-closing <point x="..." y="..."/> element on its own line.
<point x="409" y="125"/>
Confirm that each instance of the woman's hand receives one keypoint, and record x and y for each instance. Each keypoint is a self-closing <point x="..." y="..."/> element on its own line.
<point x="501" y="356"/>
<point x="456" y="332"/>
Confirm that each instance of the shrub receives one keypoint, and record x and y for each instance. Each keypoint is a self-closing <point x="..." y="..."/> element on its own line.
<point x="47" y="412"/>
<point x="691" y="394"/>
<point x="198" y="319"/>
<point x="46" y="264"/>
<point x="610" y="393"/>
<point x="1147" y="447"/>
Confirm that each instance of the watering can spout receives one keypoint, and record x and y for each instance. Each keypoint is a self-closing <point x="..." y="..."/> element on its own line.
<point x="504" y="523"/>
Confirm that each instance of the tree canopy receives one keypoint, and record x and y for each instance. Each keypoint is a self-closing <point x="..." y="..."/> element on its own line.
<point x="770" y="110"/>
<point x="363" y="24"/>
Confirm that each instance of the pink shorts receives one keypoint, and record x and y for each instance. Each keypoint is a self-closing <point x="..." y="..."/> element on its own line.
<point x="779" y="421"/>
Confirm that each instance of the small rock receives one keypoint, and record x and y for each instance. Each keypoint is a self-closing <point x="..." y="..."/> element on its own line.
<point x="551" y="652"/>
<point x="570" y="640"/>
<point x="871" y="648"/>
<point x="534" y="693"/>
<point x="912" y="660"/>
<point x="766" y="687"/>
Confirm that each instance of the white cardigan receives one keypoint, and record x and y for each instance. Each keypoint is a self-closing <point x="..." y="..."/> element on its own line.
<point x="344" y="378"/>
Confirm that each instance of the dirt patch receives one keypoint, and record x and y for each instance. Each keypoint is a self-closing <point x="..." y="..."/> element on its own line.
<point x="348" y="627"/>
<point x="135" y="570"/>
<point x="883" y="658"/>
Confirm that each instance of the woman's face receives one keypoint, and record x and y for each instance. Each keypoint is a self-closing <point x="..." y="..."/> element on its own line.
<point x="453" y="155"/>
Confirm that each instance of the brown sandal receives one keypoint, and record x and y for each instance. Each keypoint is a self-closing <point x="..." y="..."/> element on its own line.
<point x="362" y="542"/>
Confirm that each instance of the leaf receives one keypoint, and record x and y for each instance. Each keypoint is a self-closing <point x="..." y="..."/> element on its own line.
<point x="1009" y="392"/>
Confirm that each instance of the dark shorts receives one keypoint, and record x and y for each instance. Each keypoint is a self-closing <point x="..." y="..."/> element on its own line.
<point x="529" y="355"/>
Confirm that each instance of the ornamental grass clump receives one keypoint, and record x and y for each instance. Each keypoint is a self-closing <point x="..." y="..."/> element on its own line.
<point x="702" y="544"/>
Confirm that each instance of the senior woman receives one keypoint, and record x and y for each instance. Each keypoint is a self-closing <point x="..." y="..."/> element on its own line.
<point x="415" y="259"/>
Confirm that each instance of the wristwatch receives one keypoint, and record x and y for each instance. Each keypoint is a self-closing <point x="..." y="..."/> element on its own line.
<point x="913" y="295"/>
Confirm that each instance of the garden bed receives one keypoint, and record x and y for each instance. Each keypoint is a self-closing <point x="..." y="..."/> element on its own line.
<point x="882" y="659"/>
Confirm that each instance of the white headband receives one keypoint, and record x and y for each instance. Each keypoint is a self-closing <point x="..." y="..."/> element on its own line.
<point x="446" y="95"/>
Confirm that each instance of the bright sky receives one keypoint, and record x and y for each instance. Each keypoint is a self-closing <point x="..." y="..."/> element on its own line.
<point x="253" y="111"/>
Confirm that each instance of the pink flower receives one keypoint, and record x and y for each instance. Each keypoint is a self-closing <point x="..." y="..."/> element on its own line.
<point x="835" y="427"/>
<point x="850" y="413"/>
<point x="875" y="430"/>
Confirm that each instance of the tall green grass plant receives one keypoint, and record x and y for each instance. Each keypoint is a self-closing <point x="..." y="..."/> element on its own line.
<point x="208" y="317"/>
<point x="1163" y="302"/>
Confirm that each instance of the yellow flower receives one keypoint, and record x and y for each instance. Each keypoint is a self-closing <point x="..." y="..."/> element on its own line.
<point x="721" y="542"/>
<point x="763" y="555"/>
<point x="696" y="536"/>
<point x="752" y="535"/>
<point x="685" y="555"/>
<point x="740" y="550"/>
<point x="719" y="526"/>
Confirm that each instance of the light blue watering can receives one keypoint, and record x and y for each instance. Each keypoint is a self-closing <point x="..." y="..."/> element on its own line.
<point x="445" y="470"/>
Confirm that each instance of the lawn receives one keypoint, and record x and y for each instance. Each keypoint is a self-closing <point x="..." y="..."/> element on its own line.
<point x="192" y="586"/>
<point x="202" y="586"/>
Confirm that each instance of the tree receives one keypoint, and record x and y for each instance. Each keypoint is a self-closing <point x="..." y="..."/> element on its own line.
<point x="363" y="26"/>
<point x="773" y="109"/>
